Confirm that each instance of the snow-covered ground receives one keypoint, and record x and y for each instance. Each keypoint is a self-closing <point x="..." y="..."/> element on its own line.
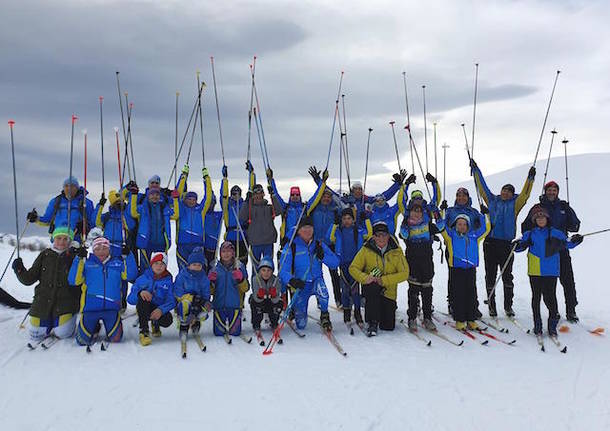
<point x="390" y="382"/>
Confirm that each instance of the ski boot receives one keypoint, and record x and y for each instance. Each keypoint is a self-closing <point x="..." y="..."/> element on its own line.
<point x="371" y="331"/>
<point x="347" y="315"/>
<point x="552" y="326"/>
<point x="460" y="326"/>
<point x="145" y="339"/>
<point x="477" y="314"/>
<point x="412" y="324"/>
<point x="183" y="331"/>
<point x="325" y="321"/>
<point x="509" y="311"/>
<point x="358" y="315"/>
<point x="156" y="331"/>
<point x="571" y="316"/>
<point x="472" y="325"/>
<point x="429" y="325"/>
<point x="538" y="328"/>
<point x="493" y="312"/>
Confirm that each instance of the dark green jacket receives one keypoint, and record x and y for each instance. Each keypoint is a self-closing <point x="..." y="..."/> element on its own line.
<point x="52" y="296"/>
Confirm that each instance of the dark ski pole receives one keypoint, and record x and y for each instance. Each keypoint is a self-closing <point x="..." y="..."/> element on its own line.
<point x="222" y="147"/>
<point x="474" y="105"/>
<point x="435" y="155"/>
<point x="118" y="159"/>
<point x="101" y="99"/>
<point x="423" y="87"/>
<point x="126" y="162"/>
<point x="11" y="124"/>
<point x="84" y="228"/>
<point x="445" y="146"/>
<point x="336" y="113"/>
<point x="548" y="159"/>
<point x="596" y="232"/>
<point x="10" y="259"/>
<point x="546" y="116"/>
<point x="366" y="165"/>
<point x="395" y="145"/>
<point x="565" y="156"/>
<point x="408" y="126"/>
<point x="346" y="152"/>
<point x="118" y="86"/>
<point x="176" y="136"/>
<point x="469" y="159"/>
<point x="133" y="160"/>
<point x="201" y="121"/>
<point x="74" y="118"/>
<point x="252" y="71"/>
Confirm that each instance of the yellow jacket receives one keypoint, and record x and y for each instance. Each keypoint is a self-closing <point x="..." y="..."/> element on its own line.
<point x="392" y="264"/>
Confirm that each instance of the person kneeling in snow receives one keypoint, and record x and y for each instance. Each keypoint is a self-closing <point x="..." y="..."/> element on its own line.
<point x="301" y="265"/>
<point x="55" y="303"/>
<point x="379" y="266"/>
<point x="229" y="282"/>
<point x="545" y="243"/>
<point x="101" y="276"/>
<point x="153" y="295"/>
<point x="192" y="292"/>
<point x="265" y="297"/>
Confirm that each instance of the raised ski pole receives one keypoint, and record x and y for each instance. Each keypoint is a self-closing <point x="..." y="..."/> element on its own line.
<point x="336" y="113"/>
<point x="435" y="155"/>
<point x="421" y="168"/>
<point x="176" y="136"/>
<point x="201" y="121"/>
<point x="474" y="104"/>
<point x="408" y="126"/>
<point x="469" y="159"/>
<point x="346" y="152"/>
<point x="133" y="160"/>
<point x="423" y="87"/>
<point x="118" y="158"/>
<point x="366" y="165"/>
<point x="565" y="156"/>
<point x="84" y="228"/>
<point x="395" y="145"/>
<point x="259" y="117"/>
<point x="126" y="161"/>
<point x="101" y="99"/>
<point x="252" y="71"/>
<point x="546" y="169"/>
<point x="74" y="118"/>
<point x="546" y="116"/>
<point x="222" y="147"/>
<point x="11" y="124"/>
<point x="445" y="146"/>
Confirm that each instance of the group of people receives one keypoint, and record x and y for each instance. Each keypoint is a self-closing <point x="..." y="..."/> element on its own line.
<point x="96" y="253"/>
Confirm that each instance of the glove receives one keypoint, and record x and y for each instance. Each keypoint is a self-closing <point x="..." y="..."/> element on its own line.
<point x="576" y="239"/>
<point x="125" y="250"/>
<point x="269" y="173"/>
<point x="237" y="275"/>
<point x="296" y="283"/>
<point x="103" y="200"/>
<point x="260" y="294"/>
<point x="132" y="187"/>
<point x="473" y="164"/>
<point x="225" y="171"/>
<point x="444" y="205"/>
<point x="270" y="190"/>
<point x="81" y="252"/>
<point x="249" y="166"/>
<point x="213" y="276"/>
<point x="430" y="178"/>
<point x="325" y="175"/>
<point x="167" y="192"/>
<point x="397" y="178"/>
<point x="411" y="179"/>
<point x="205" y="173"/>
<point x="532" y="172"/>
<point x="319" y="251"/>
<point x="273" y="292"/>
<point x="315" y="174"/>
<point x="185" y="169"/>
<point x="484" y="209"/>
<point x="197" y="302"/>
<point x="32" y="216"/>
<point x="337" y="218"/>
<point x="515" y="242"/>
<point x="175" y="194"/>
<point x="18" y="265"/>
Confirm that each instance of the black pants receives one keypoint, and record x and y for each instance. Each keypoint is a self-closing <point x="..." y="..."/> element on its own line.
<point x="336" y="282"/>
<point x="210" y="256"/>
<point x="265" y="306"/>
<point x="378" y="308"/>
<point x="463" y="293"/>
<point x="421" y="270"/>
<point x="426" y="298"/>
<point x="544" y="287"/>
<point x="243" y="251"/>
<point x="566" y="278"/>
<point x="144" y="309"/>
<point x="496" y="251"/>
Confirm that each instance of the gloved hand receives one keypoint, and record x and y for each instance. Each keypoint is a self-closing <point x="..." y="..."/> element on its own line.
<point x="197" y="302"/>
<point x="319" y="251"/>
<point x="296" y="283"/>
<point x="515" y="242"/>
<point x="125" y="250"/>
<point x="430" y="178"/>
<point x="325" y="175"/>
<point x="270" y="190"/>
<point x="444" y="205"/>
<point x="103" y="200"/>
<point x="132" y="187"/>
<point x="273" y="292"/>
<point x="260" y="293"/>
<point x="484" y="209"/>
<point x="249" y="166"/>
<point x="225" y="172"/>
<point x="315" y="174"/>
<point x="411" y="179"/>
<point x="32" y="216"/>
<point x="175" y="194"/>
<point x="185" y="169"/>
<point x="473" y="164"/>
<point x="166" y="192"/>
<point x="213" y="276"/>
<point x="337" y="218"/>
<point x="532" y="172"/>
<point x="237" y="275"/>
<point x="397" y="178"/>
<point x="81" y="252"/>
<point x="205" y="173"/>
<point x="18" y="265"/>
<point x="576" y="239"/>
<point x="269" y="173"/>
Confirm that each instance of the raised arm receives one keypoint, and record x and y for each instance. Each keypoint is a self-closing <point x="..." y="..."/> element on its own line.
<point x="479" y="180"/>
<point x="526" y="191"/>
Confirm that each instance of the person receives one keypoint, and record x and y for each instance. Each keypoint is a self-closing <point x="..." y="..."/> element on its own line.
<point x="231" y="205"/>
<point x="563" y="217"/>
<point x="462" y="243"/>
<point x="265" y="296"/>
<point x="418" y="231"/>
<point x="544" y="244"/>
<point x="55" y="303"/>
<point x="211" y="227"/>
<point x="154" y="232"/>
<point x="189" y="216"/>
<point x="100" y="278"/>
<point x="229" y="283"/>
<point x="380" y="266"/>
<point x="153" y="295"/>
<point x="381" y="211"/>
<point x="291" y="211"/>
<point x="301" y="270"/>
<point x="347" y="239"/>
<point x="192" y="293"/>
<point x="430" y="208"/>
<point x="503" y="211"/>
<point x="73" y="196"/>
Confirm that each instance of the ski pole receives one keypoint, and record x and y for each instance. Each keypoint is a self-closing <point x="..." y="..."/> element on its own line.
<point x="188" y="154"/>
<point x="346" y="152"/>
<point x="546" y="116"/>
<point x="176" y="136"/>
<point x="596" y="232"/>
<point x="435" y="156"/>
<point x="546" y="169"/>
<point x="445" y="146"/>
<point x="336" y="113"/>
<point x="469" y="159"/>
<point x="84" y="229"/>
<point x="565" y="155"/>
<point x="222" y="148"/>
<point x="11" y="124"/>
<point x="395" y="145"/>
<point x="340" y="162"/>
<point x="133" y="160"/>
<point x="423" y="87"/>
<point x="408" y="126"/>
<point x="260" y="117"/>
<point x="510" y="255"/>
<point x="474" y="104"/>
<point x="101" y="99"/>
<point x="14" y="250"/>
<point x="74" y="118"/>
<point x="22" y="324"/>
<point x="260" y="138"/>
<point x="366" y="165"/>
<point x="118" y="156"/>
<point x="252" y="71"/>
<point x="126" y="161"/>
<point x="201" y="121"/>
<point x="414" y="148"/>
<point x="118" y="87"/>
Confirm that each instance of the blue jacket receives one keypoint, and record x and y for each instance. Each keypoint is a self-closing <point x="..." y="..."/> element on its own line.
<point x="562" y="216"/>
<point x="387" y="214"/>
<point x="230" y="212"/>
<point x="404" y="203"/>
<point x="452" y="212"/>
<point x="193" y="282"/>
<point x="420" y="233"/>
<point x="323" y="218"/>
<point x="101" y="281"/>
<point x="348" y="241"/>
<point x="544" y="245"/>
<point x="502" y="213"/>
<point x="58" y="206"/>
<point x="226" y="291"/>
<point x="212" y="225"/>
<point x="162" y="290"/>
<point x="463" y="249"/>
<point x="307" y="266"/>
<point x="110" y="222"/>
<point x="143" y="212"/>
<point x="190" y="221"/>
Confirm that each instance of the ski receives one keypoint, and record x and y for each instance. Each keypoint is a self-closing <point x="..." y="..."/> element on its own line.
<point x="518" y="325"/>
<point x="259" y="337"/>
<point x="104" y="344"/>
<point x="562" y="348"/>
<point x="350" y="327"/>
<point x="199" y="342"/>
<point x="333" y="341"/>
<point x="46" y="344"/>
<point x="246" y="339"/>
<point x="419" y="337"/>
<point x="32" y="345"/>
<point x="362" y="328"/>
<point x="493" y="337"/>
<point x="227" y="338"/>
<point x="467" y="333"/>
<point x="540" y="342"/>
<point x="444" y="337"/>
<point x="292" y="326"/>
<point x="494" y="323"/>
<point x="183" y="345"/>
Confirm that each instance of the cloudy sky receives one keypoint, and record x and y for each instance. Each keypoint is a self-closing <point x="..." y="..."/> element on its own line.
<point x="58" y="58"/>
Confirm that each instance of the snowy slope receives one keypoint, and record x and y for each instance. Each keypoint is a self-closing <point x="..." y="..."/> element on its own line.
<point x="390" y="382"/>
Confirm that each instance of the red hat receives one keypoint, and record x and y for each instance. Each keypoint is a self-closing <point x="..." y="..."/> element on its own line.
<point x="551" y="184"/>
<point x="158" y="257"/>
<point x="295" y="190"/>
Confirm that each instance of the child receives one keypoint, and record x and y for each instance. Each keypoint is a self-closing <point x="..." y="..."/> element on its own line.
<point x="265" y="296"/>
<point x="192" y="292"/>
<point x="101" y="276"/>
<point x="55" y="303"/>
<point x="418" y="230"/>
<point x="462" y="244"/>
<point x="229" y="282"/>
<point x="544" y="243"/>
<point x="153" y="295"/>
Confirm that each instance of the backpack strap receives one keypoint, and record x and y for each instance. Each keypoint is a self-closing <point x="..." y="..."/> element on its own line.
<point x="293" y="249"/>
<point x="55" y="209"/>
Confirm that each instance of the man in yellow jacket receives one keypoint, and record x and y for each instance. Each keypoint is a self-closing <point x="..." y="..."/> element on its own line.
<point x="379" y="266"/>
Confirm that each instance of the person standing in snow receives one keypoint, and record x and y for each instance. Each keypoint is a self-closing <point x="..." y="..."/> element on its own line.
<point x="212" y="225"/>
<point x="265" y="296"/>
<point x="231" y="205"/>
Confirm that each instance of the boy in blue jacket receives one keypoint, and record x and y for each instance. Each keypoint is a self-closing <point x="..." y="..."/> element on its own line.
<point x="100" y="276"/>
<point x="192" y="292"/>
<point x="462" y="244"/>
<point x="153" y="295"/>
<point x="544" y="244"/>
<point x="228" y="283"/>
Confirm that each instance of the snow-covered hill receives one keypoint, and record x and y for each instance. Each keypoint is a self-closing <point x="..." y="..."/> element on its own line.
<point x="390" y="382"/>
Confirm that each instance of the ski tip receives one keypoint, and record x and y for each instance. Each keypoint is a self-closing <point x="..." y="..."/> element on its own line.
<point x="461" y="343"/>
<point x="564" y="350"/>
<point x="512" y="343"/>
<point x="262" y="344"/>
<point x="280" y="341"/>
<point x="344" y="354"/>
<point x="485" y="343"/>
<point x="529" y="331"/>
<point x="429" y="343"/>
<point x="267" y="352"/>
<point x="542" y="349"/>
<point x="88" y="349"/>
<point x="204" y="349"/>
<point x="184" y="356"/>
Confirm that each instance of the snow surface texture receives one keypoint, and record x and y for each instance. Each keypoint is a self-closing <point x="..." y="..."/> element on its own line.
<point x="389" y="382"/>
